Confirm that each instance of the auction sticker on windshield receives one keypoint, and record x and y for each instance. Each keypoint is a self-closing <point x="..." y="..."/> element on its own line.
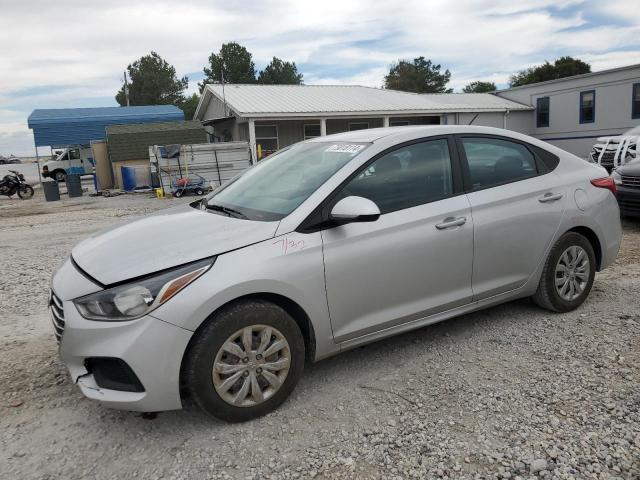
<point x="345" y="148"/>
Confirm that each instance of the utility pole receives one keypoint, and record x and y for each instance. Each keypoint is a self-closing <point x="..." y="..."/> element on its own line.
<point x="126" y="88"/>
<point x="224" y="99"/>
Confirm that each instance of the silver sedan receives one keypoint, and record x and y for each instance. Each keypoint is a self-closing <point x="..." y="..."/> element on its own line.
<point x="328" y="244"/>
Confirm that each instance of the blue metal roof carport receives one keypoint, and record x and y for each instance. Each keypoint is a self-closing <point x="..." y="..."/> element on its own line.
<point x="78" y="126"/>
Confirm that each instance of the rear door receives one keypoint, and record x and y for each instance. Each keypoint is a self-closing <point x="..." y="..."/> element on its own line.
<point x="416" y="259"/>
<point x="516" y="204"/>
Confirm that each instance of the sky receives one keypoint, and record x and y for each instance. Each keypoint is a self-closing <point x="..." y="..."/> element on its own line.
<point x="72" y="53"/>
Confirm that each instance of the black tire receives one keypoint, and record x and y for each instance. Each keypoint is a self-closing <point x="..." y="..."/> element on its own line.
<point x="199" y="191"/>
<point x="59" y="175"/>
<point x="547" y="295"/>
<point x="210" y="338"/>
<point x="178" y="193"/>
<point x="25" y="191"/>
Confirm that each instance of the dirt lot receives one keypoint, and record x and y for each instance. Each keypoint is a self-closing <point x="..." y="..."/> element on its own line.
<point x="509" y="392"/>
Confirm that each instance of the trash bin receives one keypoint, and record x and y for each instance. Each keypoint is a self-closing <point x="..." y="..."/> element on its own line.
<point x="74" y="187"/>
<point x="51" y="191"/>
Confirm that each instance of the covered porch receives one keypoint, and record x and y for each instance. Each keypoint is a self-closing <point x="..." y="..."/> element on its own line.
<point x="269" y="135"/>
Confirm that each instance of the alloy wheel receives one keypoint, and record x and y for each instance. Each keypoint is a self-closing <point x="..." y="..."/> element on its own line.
<point x="572" y="273"/>
<point x="251" y="365"/>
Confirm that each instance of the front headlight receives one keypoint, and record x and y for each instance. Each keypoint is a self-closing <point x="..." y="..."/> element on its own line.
<point x="139" y="297"/>
<point x="617" y="179"/>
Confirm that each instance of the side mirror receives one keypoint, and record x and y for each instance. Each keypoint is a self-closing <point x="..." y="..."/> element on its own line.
<point x="355" y="209"/>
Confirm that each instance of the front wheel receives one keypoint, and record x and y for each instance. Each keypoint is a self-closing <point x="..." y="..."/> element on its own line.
<point x="25" y="191"/>
<point x="245" y="361"/>
<point x="568" y="274"/>
<point x="178" y="193"/>
<point x="60" y="175"/>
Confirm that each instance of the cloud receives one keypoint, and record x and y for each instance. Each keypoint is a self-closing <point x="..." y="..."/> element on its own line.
<point x="73" y="52"/>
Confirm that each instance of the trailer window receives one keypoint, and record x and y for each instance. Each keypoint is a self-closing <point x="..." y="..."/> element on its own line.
<point x="542" y="112"/>
<point x="588" y="106"/>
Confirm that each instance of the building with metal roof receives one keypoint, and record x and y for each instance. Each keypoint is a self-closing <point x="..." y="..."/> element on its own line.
<point x="79" y="126"/>
<point x="573" y="112"/>
<point x="128" y="144"/>
<point x="270" y="117"/>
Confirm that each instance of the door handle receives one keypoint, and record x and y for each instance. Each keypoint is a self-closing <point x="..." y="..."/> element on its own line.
<point x="550" y="197"/>
<point x="451" y="222"/>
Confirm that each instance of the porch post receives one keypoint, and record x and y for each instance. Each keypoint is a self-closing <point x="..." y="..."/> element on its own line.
<point x="385" y="121"/>
<point x="37" y="162"/>
<point x="252" y="140"/>
<point x="323" y="127"/>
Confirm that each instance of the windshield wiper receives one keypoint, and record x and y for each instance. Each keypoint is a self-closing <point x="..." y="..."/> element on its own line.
<point x="229" y="211"/>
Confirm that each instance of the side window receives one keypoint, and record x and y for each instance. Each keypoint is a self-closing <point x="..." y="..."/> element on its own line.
<point x="493" y="161"/>
<point x="409" y="176"/>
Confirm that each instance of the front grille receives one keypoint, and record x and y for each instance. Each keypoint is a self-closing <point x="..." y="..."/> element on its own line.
<point x="607" y="158"/>
<point x="629" y="204"/>
<point x="57" y="315"/>
<point x="628" y="181"/>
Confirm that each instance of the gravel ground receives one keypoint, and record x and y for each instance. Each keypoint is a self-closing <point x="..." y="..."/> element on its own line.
<point x="509" y="392"/>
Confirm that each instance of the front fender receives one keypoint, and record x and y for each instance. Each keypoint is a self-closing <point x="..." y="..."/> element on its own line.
<point x="289" y="265"/>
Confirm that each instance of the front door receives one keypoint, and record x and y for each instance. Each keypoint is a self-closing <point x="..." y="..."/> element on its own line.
<point x="517" y="207"/>
<point x="76" y="164"/>
<point x="416" y="259"/>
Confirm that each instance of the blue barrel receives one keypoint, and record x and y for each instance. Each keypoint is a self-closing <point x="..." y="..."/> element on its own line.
<point x="128" y="178"/>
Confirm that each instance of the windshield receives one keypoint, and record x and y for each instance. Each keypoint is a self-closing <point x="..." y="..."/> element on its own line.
<point x="277" y="185"/>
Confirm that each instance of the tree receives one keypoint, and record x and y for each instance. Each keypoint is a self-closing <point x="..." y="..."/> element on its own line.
<point x="153" y="81"/>
<point x="562" y="67"/>
<point x="419" y="76"/>
<point x="234" y="61"/>
<point x="189" y="106"/>
<point x="480" y="87"/>
<point x="280" y="73"/>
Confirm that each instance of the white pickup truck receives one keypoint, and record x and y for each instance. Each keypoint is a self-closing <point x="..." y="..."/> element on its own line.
<point x="613" y="152"/>
<point x="72" y="161"/>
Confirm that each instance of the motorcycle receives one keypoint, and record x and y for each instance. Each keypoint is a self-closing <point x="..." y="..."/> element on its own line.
<point x="12" y="184"/>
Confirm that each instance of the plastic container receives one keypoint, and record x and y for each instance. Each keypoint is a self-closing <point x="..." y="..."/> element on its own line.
<point x="74" y="186"/>
<point x="51" y="190"/>
<point x="129" y="181"/>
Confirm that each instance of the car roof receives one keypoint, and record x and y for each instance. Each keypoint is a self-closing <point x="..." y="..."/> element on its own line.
<point x="371" y="135"/>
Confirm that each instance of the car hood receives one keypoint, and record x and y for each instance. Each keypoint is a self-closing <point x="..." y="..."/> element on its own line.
<point x="632" y="168"/>
<point x="163" y="240"/>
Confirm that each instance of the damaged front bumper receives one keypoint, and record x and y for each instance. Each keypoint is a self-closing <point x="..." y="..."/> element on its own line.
<point x="148" y="348"/>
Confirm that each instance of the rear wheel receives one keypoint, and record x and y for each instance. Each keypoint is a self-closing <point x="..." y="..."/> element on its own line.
<point x="25" y="191"/>
<point x="199" y="191"/>
<point x="178" y="193"/>
<point x="245" y="361"/>
<point x="568" y="274"/>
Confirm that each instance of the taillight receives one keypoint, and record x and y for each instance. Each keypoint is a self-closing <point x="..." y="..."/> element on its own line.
<point x="606" y="182"/>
